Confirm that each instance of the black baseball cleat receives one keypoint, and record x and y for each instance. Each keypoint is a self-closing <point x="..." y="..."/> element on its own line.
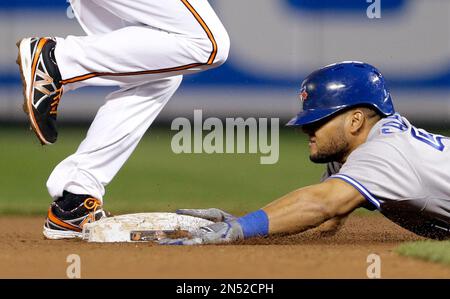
<point x="42" y="88"/>
<point x="68" y="214"/>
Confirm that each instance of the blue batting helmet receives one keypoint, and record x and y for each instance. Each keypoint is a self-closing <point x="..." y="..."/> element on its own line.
<point x="339" y="86"/>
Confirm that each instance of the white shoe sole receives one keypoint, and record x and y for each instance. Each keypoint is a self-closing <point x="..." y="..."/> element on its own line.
<point x="54" y="234"/>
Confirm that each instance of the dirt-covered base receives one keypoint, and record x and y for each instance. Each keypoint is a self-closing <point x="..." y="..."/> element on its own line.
<point x="25" y="254"/>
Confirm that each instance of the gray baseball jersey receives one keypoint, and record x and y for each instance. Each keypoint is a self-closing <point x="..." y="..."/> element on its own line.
<point x="404" y="172"/>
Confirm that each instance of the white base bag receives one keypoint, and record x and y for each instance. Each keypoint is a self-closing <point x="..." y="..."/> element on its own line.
<point x="140" y="227"/>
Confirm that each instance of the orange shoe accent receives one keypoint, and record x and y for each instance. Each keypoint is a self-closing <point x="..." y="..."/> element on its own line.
<point x="90" y="203"/>
<point x="89" y="218"/>
<point x="61" y="223"/>
<point x="55" y="102"/>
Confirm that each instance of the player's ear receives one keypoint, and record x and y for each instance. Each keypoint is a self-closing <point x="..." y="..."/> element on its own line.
<point x="357" y="119"/>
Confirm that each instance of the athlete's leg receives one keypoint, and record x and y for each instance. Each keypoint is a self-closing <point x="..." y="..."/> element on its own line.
<point x="157" y="39"/>
<point x="116" y="127"/>
<point x="130" y="43"/>
<point x="112" y="137"/>
<point x="127" y="45"/>
<point x="41" y="78"/>
<point x="95" y="19"/>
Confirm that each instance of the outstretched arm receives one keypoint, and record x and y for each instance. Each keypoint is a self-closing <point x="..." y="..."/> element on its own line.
<point x="311" y="206"/>
<point x="327" y="203"/>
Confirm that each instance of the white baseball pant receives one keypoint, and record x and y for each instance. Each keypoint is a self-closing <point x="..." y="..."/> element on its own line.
<point x="143" y="46"/>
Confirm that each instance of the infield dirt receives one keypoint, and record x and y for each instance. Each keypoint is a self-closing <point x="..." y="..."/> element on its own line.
<point x="25" y="254"/>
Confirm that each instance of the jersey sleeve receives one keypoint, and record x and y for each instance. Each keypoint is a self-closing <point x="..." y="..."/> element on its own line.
<point x="381" y="173"/>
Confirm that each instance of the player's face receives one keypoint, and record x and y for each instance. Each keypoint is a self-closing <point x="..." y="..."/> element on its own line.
<point x="327" y="140"/>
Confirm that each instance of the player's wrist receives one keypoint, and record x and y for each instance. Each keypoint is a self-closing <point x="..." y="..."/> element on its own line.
<point x="254" y="224"/>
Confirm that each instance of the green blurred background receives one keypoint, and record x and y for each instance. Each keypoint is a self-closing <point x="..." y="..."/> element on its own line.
<point x="154" y="178"/>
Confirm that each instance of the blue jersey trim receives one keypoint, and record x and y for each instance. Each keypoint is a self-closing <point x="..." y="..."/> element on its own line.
<point x="363" y="190"/>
